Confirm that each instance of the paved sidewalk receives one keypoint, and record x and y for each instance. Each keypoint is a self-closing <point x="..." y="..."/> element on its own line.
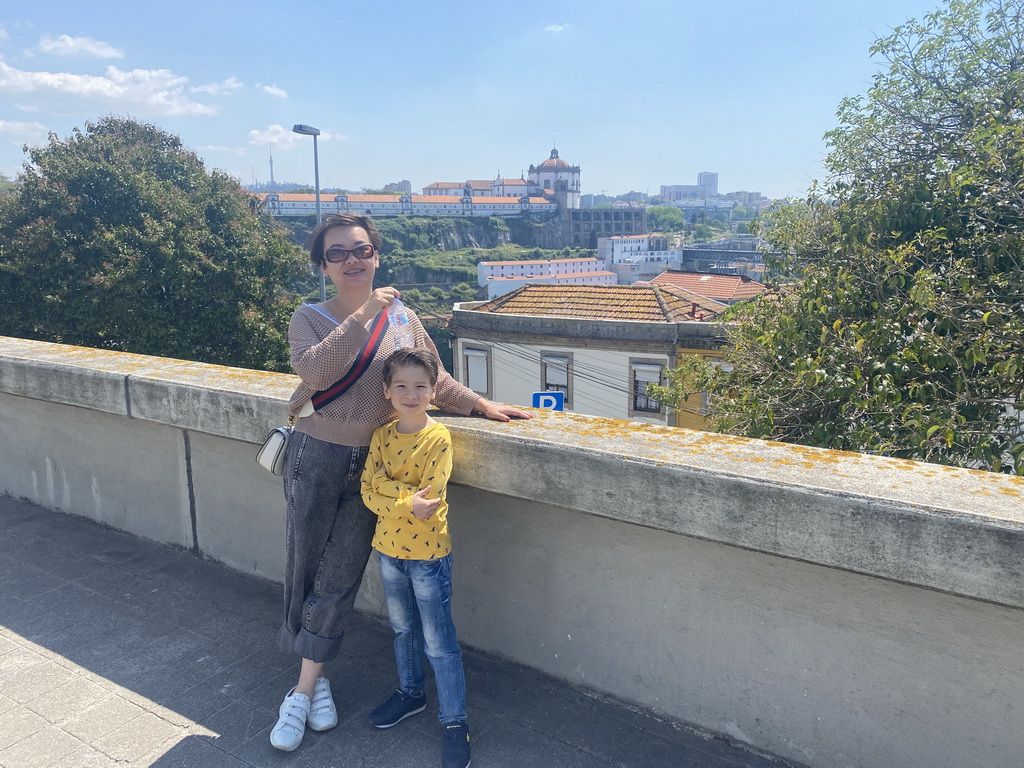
<point x="115" y="651"/>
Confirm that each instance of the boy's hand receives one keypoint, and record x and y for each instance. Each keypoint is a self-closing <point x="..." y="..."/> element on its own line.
<point x="422" y="507"/>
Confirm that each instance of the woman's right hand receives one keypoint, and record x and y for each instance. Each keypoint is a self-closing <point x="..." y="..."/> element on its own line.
<point x="380" y="299"/>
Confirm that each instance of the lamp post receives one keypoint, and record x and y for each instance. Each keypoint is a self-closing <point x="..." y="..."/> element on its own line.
<point x="309" y="130"/>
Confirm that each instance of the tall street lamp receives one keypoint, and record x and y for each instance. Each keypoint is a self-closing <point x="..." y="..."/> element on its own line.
<point x="309" y="130"/>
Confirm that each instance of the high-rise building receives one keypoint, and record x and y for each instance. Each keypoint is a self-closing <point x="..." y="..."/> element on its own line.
<point x="708" y="182"/>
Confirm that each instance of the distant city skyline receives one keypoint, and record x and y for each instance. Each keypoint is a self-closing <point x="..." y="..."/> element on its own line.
<point x="639" y="97"/>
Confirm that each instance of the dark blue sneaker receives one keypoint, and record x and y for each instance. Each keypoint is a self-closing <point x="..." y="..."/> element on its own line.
<point x="455" y="749"/>
<point x="397" y="708"/>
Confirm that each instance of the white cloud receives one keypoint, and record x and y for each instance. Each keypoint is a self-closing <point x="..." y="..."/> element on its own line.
<point x="273" y="90"/>
<point x="283" y="137"/>
<point x="23" y="133"/>
<point x="27" y="107"/>
<point x="217" y="89"/>
<point x="556" y="27"/>
<point x="153" y="91"/>
<point x="65" y="45"/>
<point x="4" y="35"/>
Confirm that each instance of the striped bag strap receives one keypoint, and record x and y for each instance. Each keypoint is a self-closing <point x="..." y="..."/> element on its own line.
<point x="362" y="362"/>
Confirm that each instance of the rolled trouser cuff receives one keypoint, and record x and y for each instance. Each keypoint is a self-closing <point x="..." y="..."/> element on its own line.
<point x="307" y="645"/>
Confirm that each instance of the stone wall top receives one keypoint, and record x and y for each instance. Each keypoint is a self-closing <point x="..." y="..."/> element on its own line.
<point x="956" y="530"/>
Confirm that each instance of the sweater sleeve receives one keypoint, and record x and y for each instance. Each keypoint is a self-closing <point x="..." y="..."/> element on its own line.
<point x="321" y="362"/>
<point x="384" y="497"/>
<point x="450" y="395"/>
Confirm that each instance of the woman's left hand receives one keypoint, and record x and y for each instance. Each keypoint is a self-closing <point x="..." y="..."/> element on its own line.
<point x="500" y="411"/>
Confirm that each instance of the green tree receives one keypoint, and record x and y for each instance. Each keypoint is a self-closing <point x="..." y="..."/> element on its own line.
<point x="904" y="332"/>
<point x="665" y="218"/>
<point x="118" y="238"/>
<point x="6" y="185"/>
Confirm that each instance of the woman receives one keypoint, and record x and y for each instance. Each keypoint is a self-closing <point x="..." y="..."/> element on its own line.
<point x="328" y="528"/>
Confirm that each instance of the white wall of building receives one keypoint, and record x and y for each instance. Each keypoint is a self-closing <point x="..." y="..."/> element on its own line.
<point x="440" y="205"/>
<point x="488" y="270"/>
<point x="600" y="380"/>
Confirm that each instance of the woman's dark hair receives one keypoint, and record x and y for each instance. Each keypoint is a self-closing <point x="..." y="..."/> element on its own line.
<point x="316" y="246"/>
<point x="420" y="356"/>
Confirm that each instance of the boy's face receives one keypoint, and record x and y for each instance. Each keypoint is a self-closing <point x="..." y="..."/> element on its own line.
<point x="410" y="390"/>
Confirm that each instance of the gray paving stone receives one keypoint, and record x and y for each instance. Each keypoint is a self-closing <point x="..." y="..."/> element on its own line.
<point x="17" y="660"/>
<point x="43" y="748"/>
<point x="64" y="701"/>
<point x="99" y="720"/>
<point x="567" y="756"/>
<point x="18" y="724"/>
<point x="99" y="652"/>
<point x="69" y="639"/>
<point x="138" y="738"/>
<point x="409" y="748"/>
<point x="88" y="759"/>
<point x="236" y="724"/>
<point x="6" y="704"/>
<point x="7" y="644"/>
<point x="193" y="752"/>
<point x="28" y="683"/>
<point x="178" y="644"/>
<point x="506" y="744"/>
<point x="146" y="677"/>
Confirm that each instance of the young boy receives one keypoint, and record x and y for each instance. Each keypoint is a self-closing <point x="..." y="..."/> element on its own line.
<point x="405" y="483"/>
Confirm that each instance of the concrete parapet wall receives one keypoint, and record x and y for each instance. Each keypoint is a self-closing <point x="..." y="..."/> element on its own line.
<point x="836" y="609"/>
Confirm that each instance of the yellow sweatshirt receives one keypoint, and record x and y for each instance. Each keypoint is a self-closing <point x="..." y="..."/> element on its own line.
<point x="397" y="466"/>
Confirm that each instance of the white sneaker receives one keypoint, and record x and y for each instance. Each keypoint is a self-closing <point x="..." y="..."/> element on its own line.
<point x="287" y="734"/>
<point x="323" y="715"/>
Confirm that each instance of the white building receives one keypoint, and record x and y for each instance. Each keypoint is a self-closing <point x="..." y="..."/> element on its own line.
<point x="283" y="204"/>
<point x="558" y="176"/>
<point x="554" y="178"/>
<point x="501" y="277"/>
<point x="487" y="270"/>
<point x="600" y="345"/>
<point x="637" y="257"/>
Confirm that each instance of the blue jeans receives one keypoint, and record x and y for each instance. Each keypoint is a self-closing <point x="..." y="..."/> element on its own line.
<point x="419" y="595"/>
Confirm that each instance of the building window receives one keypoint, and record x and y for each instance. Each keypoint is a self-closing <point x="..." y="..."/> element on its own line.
<point x="643" y="374"/>
<point x="477" y="364"/>
<point x="556" y="374"/>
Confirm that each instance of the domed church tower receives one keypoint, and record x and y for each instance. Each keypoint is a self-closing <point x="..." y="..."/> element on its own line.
<point x="557" y="175"/>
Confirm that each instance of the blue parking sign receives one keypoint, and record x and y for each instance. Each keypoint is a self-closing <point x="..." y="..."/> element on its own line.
<point x="554" y="401"/>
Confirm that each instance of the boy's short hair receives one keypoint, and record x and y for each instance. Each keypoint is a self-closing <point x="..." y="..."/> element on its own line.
<point x="420" y="356"/>
<point x="316" y="245"/>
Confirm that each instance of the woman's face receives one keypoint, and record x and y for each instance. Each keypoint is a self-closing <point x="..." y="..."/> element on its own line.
<point x="352" y="272"/>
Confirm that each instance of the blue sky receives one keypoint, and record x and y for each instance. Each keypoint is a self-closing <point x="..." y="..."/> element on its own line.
<point x="638" y="94"/>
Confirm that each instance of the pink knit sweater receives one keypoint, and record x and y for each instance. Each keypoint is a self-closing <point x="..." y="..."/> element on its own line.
<point x="322" y="352"/>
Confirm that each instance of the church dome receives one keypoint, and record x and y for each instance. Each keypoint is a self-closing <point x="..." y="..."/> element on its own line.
<point x="554" y="161"/>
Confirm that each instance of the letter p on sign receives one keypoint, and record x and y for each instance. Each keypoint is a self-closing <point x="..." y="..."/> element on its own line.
<point x="554" y="401"/>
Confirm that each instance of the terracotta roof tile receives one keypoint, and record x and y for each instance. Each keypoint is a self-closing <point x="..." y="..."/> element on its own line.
<point x="638" y="303"/>
<point x="721" y="287"/>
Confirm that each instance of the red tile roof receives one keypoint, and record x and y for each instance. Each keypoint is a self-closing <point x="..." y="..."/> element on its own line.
<point x="721" y="287"/>
<point x="638" y="303"/>
<point x="328" y="199"/>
